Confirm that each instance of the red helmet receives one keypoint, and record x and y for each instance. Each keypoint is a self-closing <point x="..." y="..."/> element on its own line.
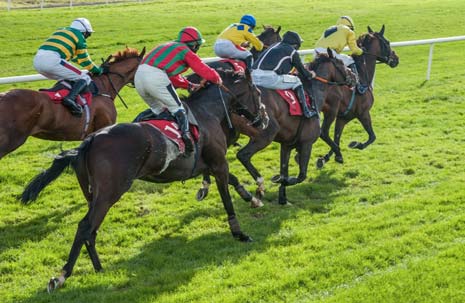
<point x="189" y="35"/>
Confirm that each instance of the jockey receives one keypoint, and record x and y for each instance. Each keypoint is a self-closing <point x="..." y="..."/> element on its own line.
<point x="336" y="38"/>
<point x="52" y="59"/>
<point x="272" y="68"/>
<point x="159" y="73"/>
<point x="232" y="42"/>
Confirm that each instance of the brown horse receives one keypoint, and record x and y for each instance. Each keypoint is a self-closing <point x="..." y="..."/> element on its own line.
<point x="25" y="113"/>
<point x="293" y="132"/>
<point x="344" y="104"/>
<point x="130" y="151"/>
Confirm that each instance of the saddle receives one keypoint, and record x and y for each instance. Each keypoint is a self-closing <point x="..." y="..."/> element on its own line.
<point x="62" y="88"/>
<point x="295" y="109"/>
<point x="167" y="125"/>
<point x="238" y="66"/>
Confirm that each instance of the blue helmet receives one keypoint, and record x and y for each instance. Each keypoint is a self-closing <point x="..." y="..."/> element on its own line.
<point x="249" y="20"/>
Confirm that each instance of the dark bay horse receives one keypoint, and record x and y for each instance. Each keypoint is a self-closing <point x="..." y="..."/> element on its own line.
<point x="292" y="132"/>
<point x="344" y="105"/>
<point x="130" y="151"/>
<point x="269" y="36"/>
<point x="25" y="113"/>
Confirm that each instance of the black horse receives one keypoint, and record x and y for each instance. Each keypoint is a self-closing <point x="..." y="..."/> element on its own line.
<point x="344" y="104"/>
<point x="292" y="132"/>
<point x="130" y="151"/>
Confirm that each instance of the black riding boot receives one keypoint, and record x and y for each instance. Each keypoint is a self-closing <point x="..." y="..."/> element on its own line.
<point x="308" y="113"/>
<point x="181" y="118"/>
<point x="70" y="100"/>
<point x="360" y="87"/>
<point x="249" y="62"/>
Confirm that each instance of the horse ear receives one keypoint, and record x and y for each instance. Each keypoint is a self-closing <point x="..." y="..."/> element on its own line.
<point x="369" y="29"/>
<point x="329" y="52"/>
<point x="279" y="28"/>
<point x="264" y="27"/>
<point x="107" y="60"/>
<point x="381" y="32"/>
<point x="142" y="53"/>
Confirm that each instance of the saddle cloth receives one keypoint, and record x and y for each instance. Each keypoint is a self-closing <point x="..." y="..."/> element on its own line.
<point x="61" y="89"/>
<point x="171" y="130"/>
<point x="291" y="99"/>
<point x="238" y="65"/>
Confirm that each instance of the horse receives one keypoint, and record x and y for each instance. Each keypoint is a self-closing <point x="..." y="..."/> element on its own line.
<point x="25" y="112"/>
<point x="344" y="104"/>
<point x="130" y="151"/>
<point x="292" y="132"/>
<point x="269" y="36"/>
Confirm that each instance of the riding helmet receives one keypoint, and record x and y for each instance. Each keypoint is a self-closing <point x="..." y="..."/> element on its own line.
<point x="347" y="21"/>
<point x="249" y="20"/>
<point x="82" y="25"/>
<point x="292" y="38"/>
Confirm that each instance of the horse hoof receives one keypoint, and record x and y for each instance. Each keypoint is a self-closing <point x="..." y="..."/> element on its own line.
<point x="276" y="179"/>
<point x="292" y="181"/>
<point x="243" y="237"/>
<point x="320" y="163"/>
<point x="202" y="194"/>
<point x="285" y="203"/>
<point x="52" y="284"/>
<point x="354" y="144"/>
<point x="339" y="160"/>
<point x="256" y="203"/>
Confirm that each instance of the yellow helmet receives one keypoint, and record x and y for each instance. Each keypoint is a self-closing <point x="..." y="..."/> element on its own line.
<point x="347" y="21"/>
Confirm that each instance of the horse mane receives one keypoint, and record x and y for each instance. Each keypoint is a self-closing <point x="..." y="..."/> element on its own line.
<point x="322" y="58"/>
<point x="128" y="52"/>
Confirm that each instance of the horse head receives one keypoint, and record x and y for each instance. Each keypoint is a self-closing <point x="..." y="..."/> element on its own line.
<point x="246" y="97"/>
<point x="269" y="36"/>
<point x="123" y="64"/>
<point x="375" y="44"/>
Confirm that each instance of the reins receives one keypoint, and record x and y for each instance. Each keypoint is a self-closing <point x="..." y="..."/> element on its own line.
<point x="114" y="88"/>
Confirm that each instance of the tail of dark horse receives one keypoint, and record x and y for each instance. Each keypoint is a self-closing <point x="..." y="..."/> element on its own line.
<point x="61" y="162"/>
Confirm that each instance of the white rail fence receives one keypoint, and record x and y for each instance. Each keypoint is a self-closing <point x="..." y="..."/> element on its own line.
<point x="431" y="42"/>
<point x="10" y="4"/>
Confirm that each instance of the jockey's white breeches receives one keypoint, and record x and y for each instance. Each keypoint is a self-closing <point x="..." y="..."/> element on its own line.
<point x="154" y="86"/>
<point x="52" y="66"/>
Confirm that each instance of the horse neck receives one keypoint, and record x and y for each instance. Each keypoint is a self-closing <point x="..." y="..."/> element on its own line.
<point x="368" y="68"/>
<point x="109" y="84"/>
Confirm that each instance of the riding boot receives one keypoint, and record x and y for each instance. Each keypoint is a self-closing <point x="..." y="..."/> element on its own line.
<point x="308" y="113"/>
<point x="249" y="62"/>
<point x="181" y="118"/>
<point x="360" y="87"/>
<point x="70" y="100"/>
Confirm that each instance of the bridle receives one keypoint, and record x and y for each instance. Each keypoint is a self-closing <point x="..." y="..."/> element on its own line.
<point x="385" y="52"/>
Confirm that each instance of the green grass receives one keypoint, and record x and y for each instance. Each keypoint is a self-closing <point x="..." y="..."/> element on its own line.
<point x="387" y="226"/>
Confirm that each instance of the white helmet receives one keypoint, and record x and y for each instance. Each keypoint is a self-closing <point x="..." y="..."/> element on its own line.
<point x="82" y="25"/>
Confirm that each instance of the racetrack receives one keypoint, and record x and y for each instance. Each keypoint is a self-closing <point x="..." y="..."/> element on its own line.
<point x="386" y="226"/>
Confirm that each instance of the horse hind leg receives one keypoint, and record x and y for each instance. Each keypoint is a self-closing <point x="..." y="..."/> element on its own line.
<point x="245" y="194"/>
<point x="10" y="140"/>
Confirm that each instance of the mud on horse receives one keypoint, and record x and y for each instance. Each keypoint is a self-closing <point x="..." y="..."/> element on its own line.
<point x="344" y="104"/>
<point x="130" y="151"/>
<point x="25" y="113"/>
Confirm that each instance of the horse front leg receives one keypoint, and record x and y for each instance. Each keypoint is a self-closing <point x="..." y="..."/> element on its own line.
<point x="328" y="120"/>
<point x="221" y="174"/>
<point x="365" y="120"/>
<point x="283" y="174"/>
<point x="245" y="155"/>
<point x="245" y="194"/>
<point x="10" y="140"/>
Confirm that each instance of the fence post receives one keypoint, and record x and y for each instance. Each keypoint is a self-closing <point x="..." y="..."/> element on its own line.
<point x="8" y="5"/>
<point x="430" y="60"/>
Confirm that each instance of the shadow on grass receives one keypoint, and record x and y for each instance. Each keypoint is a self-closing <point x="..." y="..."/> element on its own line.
<point x="172" y="262"/>
<point x="36" y="229"/>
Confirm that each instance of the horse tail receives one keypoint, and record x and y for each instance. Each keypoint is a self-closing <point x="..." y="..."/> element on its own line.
<point x="62" y="161"/>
